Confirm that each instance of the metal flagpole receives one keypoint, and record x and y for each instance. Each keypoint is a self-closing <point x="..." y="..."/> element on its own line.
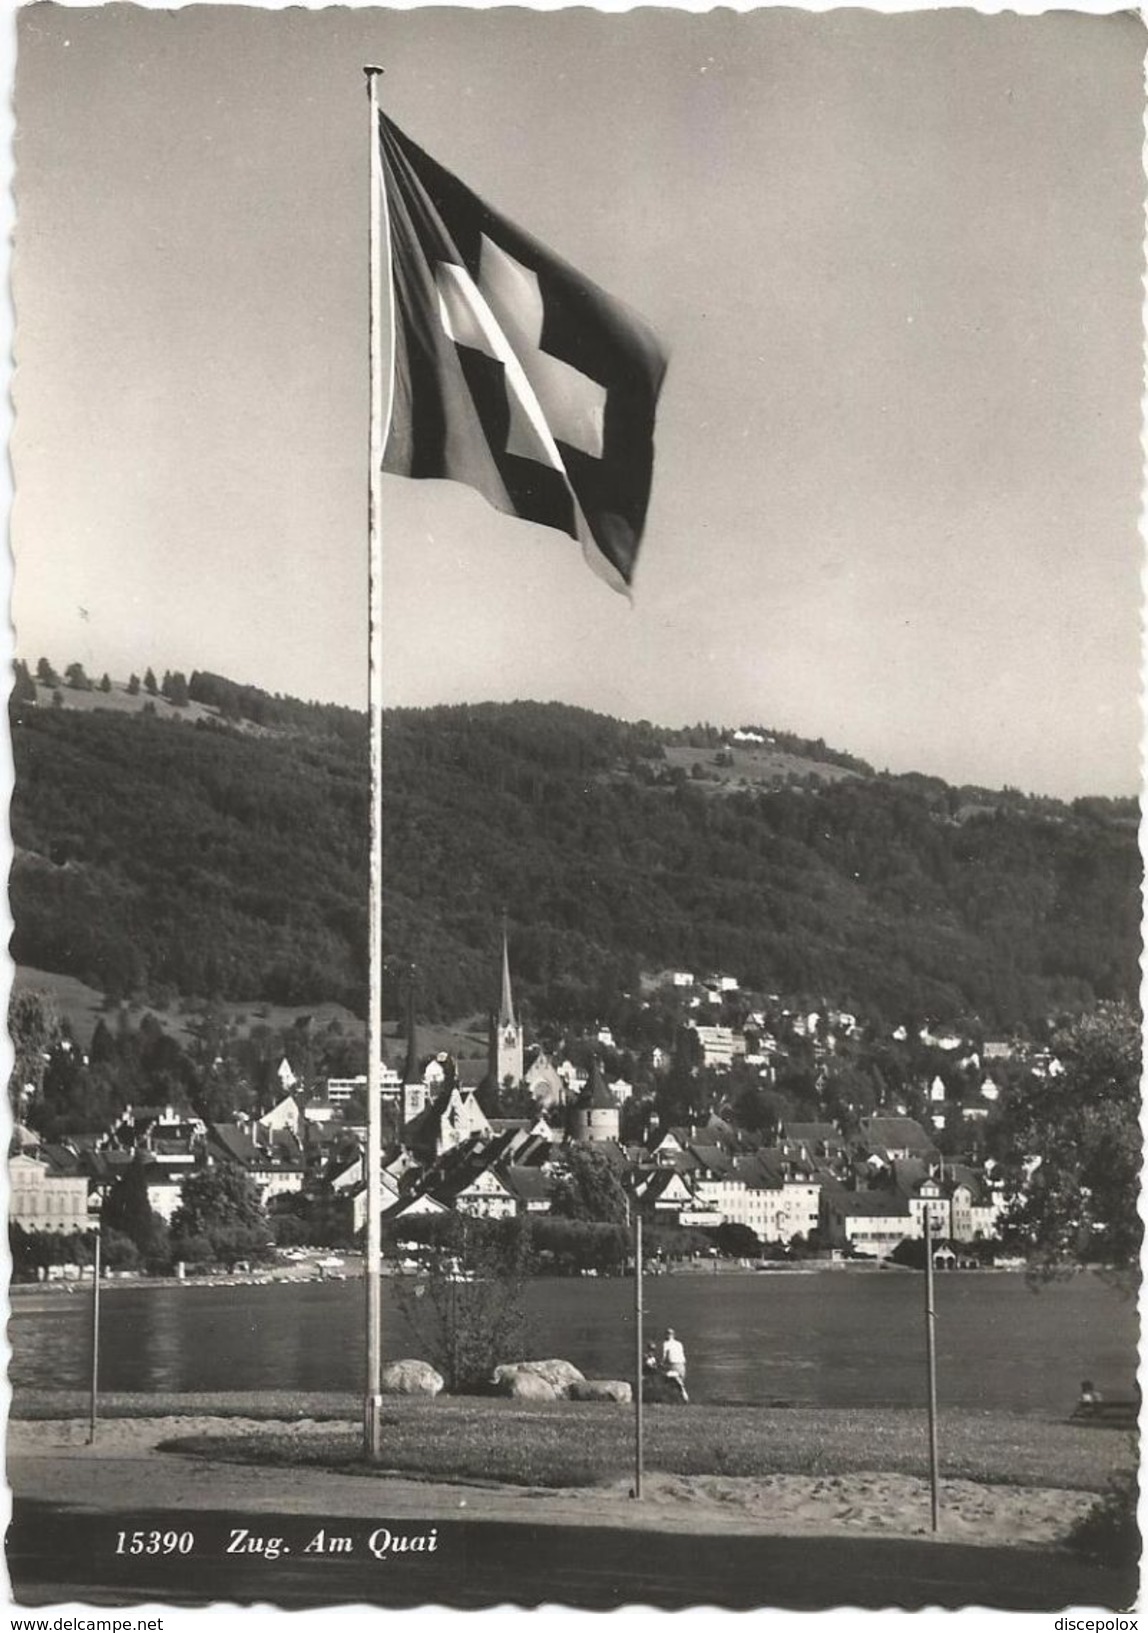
<point x="931" y="1351"/>
<point x="639" y="1355"/>
<point x="93" y="1411"/>
<point x="376" y="444"/>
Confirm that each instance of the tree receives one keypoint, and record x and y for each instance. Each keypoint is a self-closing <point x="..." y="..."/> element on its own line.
<point x="589" y="1188"/>
<point x="1070" y="1146"/>
<point x="736" y="1241"/>
<point x="105" y="682"/>
<point x="45" y="674"/>
<point x="469" y="1309"/>
<point x="76" y="678"/>
<point x="175" y="689"/>
<point x="222" y="1208"/>
<point x="128" y="1211"/>
<point x="23" y="686"/>
<point x="133" y="685"/>
<point x="150" y="686"/>
<point x="34" y="1027"/>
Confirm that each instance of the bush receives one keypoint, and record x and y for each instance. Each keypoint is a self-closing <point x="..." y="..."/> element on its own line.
<point x="1108" y="1534"/>
<point x="736" y="1241"/>
<point x="118" y="1251"/>
<point x="569" y="1246"/>
<point x="468" y="1308"/>
<point x="289" y="1230"/>
<point x="36" y="1250"/>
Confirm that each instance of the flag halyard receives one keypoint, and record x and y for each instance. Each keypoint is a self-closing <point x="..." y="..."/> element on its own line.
<point x="514" y="373"/>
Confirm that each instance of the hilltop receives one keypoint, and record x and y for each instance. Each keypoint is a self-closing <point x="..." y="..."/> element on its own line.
<point x="218" y="848"/>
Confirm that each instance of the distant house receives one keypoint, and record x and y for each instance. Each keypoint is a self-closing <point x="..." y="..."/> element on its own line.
<point x="810" y="1141"/>
<point x="893" y="1137"/>
<point x="342" y="1089"/>
<point x="871" y="1222"/>
<point x="768" y="1190"/>
<point x="977" y="1209"/>
<point x="170" y="1136"/>
<point x="530" y="1188"/>
<point x="664" y="1194"/>
<point x="930" y="1197"/>
<point x="545" y="1083"/>
<point x="285" y="1113"/>
<point x="720" y="1044"/>
<point x="164" y="1191"/>
<point x="273" y="1158"/>
<point x="450" y="1120"/>
<point x="486" y="1196"/>
<point x="47" y="1194"/>
<point x="670" y="1149"/>
<point x="414" y="1206"/>
<point x="947" y="1041"/>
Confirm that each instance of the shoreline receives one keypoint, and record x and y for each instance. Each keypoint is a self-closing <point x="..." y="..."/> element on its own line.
<point x="281" y="1276"/>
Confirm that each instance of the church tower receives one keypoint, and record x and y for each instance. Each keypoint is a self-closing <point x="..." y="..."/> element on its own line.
<point x="506" y="1043"/>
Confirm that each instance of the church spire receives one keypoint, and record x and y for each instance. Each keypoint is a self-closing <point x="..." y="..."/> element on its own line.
<point x="506" y="1050"/>
<point x="506" y="1009"/>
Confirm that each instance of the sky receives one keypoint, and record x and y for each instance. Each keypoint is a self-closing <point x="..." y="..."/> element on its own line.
<point x="895" y="260"/>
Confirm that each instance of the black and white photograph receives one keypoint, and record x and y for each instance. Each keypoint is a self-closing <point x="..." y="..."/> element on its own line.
<point x="574" y="874"/>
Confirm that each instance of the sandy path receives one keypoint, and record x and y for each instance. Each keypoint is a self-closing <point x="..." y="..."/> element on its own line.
<point x="52" y="1460"/>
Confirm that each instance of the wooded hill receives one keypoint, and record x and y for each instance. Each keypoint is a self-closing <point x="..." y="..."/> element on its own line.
<point x="155" y="857"/>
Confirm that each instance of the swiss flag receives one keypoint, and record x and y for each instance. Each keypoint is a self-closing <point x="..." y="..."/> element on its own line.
<point x="514" y="373"/>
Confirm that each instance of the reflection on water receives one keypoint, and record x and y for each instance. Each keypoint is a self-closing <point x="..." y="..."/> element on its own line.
<point x="833" y="1338"/>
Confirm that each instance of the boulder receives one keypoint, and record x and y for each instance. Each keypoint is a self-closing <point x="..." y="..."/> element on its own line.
<point x="410" y="1378"/>
<point x="558" y="1374"/>
<point x="528" y="1386"/>
<point x="601" y="1389"/>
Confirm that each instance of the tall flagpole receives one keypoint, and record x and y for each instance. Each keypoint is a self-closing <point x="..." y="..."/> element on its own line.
<point x="931" y="1364"/>
<point x="371" y="1413"/>
<point x="639" y="1350"/>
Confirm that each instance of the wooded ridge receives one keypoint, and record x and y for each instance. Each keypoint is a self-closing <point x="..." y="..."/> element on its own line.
<point x="227" y="856"/>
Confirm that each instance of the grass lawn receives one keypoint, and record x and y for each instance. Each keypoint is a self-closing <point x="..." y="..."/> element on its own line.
<point x="572" y="1443"/>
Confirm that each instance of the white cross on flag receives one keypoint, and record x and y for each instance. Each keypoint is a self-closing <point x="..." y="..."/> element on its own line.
<point x="513" y="372"/>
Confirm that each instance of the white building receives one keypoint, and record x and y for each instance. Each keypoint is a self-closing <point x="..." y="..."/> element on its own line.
<point x="720" y="1044"/>
<point x="40" y="1199"/>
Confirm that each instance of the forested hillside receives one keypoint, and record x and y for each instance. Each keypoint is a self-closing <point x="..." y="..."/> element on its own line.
<point x="160" y="858"/>
<point x="155" y="857"/>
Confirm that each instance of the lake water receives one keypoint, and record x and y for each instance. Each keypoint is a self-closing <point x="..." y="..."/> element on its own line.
<point x="835" y="1338"/>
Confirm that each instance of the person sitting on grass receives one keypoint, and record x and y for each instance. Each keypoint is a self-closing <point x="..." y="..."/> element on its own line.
<point x="1090" y="1396"/>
